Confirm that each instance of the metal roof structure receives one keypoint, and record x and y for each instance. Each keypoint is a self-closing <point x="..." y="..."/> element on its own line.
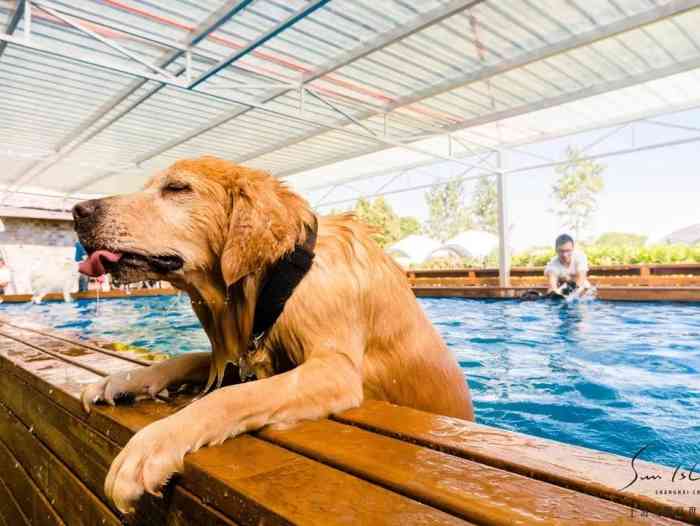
<point x="97" y="94"/>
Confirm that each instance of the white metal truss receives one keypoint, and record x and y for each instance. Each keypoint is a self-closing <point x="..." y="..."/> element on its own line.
<point x="466" y="176"/>
<point x="577" y="41"/>
<point x="428" y="19"/>
<point x="340" y="116"/>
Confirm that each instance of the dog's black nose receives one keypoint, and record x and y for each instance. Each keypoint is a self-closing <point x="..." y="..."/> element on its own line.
<point x="84" y="209"/>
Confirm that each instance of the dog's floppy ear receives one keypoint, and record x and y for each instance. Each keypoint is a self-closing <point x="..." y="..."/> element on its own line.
<point x="260" y="232"/>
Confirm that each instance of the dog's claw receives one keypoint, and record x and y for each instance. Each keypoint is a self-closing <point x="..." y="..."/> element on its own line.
<point x="141" y="382"/>
<point x="145" y="465"/>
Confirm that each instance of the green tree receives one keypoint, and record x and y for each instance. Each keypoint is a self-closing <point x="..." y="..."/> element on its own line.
<point x="577" y="190"/>
<point x="409" y="225"/>
<point x="621" y="239"/>
<point x="485" y="204"/>
<point x="448" y="213"/>
<point x="382" y="217"/>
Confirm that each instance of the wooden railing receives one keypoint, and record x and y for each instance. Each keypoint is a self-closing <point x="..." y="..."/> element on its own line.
<point x="675" y="275"/>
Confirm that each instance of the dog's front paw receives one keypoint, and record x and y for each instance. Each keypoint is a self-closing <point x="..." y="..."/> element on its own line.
<point x="146" y="464"/>
<point x="136" y="382"/>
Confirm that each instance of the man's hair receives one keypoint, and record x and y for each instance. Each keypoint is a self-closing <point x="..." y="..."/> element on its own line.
<point x="563" y="240"/>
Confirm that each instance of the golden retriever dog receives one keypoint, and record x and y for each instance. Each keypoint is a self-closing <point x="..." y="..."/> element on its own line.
<point x="351" y="329"/>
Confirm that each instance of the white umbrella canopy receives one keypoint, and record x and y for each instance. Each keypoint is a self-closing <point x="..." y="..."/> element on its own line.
<point x="413" y="249"/>
<point x="471" y="243"/>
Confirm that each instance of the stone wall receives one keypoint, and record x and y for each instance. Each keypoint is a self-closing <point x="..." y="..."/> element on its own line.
<point x="27" y="244"/>
<point x="39" y="232"/>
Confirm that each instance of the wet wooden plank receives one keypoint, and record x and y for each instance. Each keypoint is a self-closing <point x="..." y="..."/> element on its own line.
<point x="653" y="281"/>
<point x="469" y="489"/>
<point x="184" y="513"/>
<point x="83" y="451"/>
<point x="95" y="453"/>
<point x="680" y="269"/>
<point x="112" y="294"/>
<point x="62" y="383"/>
<point x="251" y="480"/>
<point x="686" y="294"/>
<point x="74" y="338"/>
<point x="691" y="294"/>
<point x="91" y="360"/>
<point x="70" y="496"/>
<point x="86" y="451"/>
<point x="9" y="509"/>
<point x="583" y="469"/>
<point x="28" y="497"/>
<point x="256" y="481"/>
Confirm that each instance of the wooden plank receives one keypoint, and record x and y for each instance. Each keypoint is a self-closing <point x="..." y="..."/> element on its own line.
<point x="684" y="294"/>
<point x="78" y="340"/>
<point x="88" y="359"/>
<point x="540" y="281"/>
<point x="87" y="452"/>
<point x="680" y="269"/>
<point x="62" y="383"/>
<point x="9" y="509"/>
<point x="256" y="482"/>
<point x="69" y="496"/>
<point x="465" y="292"/>
<point x="248" y="479"/>
<point x="469" y="489"/>
<point x="91" y="294"/>
<point x="27" y="495"/>
<point x="185" y="513"/>
<point x="68" y="438"/>
<point x="582" y="469"/>
<point x="183" y="504"/>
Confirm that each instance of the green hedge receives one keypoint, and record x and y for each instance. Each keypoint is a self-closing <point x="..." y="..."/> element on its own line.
<point x="618" y="255"/>
<point x="598" y="255"/>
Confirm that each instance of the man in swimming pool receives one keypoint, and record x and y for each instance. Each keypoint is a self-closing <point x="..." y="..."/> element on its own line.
<point x="568" y="270"/>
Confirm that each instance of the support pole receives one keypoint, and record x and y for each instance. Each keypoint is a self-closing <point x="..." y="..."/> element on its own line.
<point x="503" y="242"/>
<point x="27" y="20"/>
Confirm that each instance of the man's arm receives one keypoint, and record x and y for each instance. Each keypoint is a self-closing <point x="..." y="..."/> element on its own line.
<point x="582" y="279"/>
<point x="581" y="272"/>
<point x="553" y="281"/>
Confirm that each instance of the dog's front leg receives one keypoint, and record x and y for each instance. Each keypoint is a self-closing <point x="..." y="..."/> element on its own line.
<point x="149" y="381"/>
<point x="321" y="386"/>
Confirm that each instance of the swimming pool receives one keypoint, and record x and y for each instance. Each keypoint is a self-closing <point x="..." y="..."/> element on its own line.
<point x="609" y="376"/>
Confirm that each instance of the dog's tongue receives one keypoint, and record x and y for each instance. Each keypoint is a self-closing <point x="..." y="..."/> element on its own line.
<point x="93" y="265"/>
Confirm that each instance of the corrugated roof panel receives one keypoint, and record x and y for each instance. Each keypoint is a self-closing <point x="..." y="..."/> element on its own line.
<point x="471" y="68"/>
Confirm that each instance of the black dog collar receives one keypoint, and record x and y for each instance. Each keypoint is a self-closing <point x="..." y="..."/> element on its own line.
<point x="281" y="280"/>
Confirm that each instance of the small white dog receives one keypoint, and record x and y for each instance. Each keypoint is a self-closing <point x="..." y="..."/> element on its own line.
<point x="54" y="275"/>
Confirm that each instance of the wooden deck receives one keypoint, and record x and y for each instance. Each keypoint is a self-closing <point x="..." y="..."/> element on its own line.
<point x="378" y="464"/>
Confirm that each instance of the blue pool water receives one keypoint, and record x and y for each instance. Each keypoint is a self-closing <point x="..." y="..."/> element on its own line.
<point x="609" y="376"/>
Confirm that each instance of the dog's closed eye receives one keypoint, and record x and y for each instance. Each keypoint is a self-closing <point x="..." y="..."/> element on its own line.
<point x="176" y="187"/>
